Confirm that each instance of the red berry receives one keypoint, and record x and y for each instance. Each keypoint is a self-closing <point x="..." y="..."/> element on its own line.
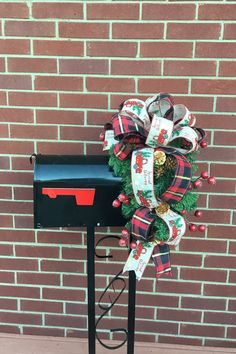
<point x="126" y="201"/>
<point x="122" y="242"/>
<point x="211" y="180"/>
<point x="102" y="136"/>
<point x="201" y="228"/>
<point x="116" y="203"/>
<point x="204" y="174"/>
<point x="192" y="227"/>
<point x="125" y="233"/>
<point x="122" y="197"/>
<point x="197" y="183"/>
<point x="190" y="186"/>
<point x="198" y="213"/>
<point x="184" y="212"/>
<point x="133" y="245"/>
<point x="203" y="144"/>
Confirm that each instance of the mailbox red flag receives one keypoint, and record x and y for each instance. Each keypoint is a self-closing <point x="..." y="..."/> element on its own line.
<point x="83" y="196"/>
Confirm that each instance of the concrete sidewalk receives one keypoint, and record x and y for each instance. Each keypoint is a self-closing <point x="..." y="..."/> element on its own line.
<point x="25" y="344"/>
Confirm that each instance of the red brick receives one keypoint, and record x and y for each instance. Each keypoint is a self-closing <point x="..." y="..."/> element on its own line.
<point x="37" y="251"/>
<point x="203" y="245"/>
<point x="32" y="65"/>
<point x="227" y="68"/>
<point x="110" y="84"/>
<point x="7" y="277"/>
<point x="98" y="117"/>
<point x="74" y="253"/>
<point x="193" y="31"/>
<point x="5" y="192"/>
<point x="184" y="259"/>
<point x="229" y="30"/>
<point x="203" y="303"/>
<point x="83" y="66"/>
<point x="57" y="10"/>
<point x="196" y="103"/>
<point x="222" y="202"/>
<point x="38" y="278"/>
<point x="14" y="46"/>
<point x="220" y="86"/>
<point x="224" y="138"/>
<point x="16" y="178"/>
<point x="223" y="170"/>
<point x="3" y="98"/>
<point x="154" y="85"/>
<point x="59" y="117"/>
<point x="94" y="149"/>
<point x="203" y="274"/>
<point x="16" y="115"/>
<point x="20" y="291"/>
<point x="43" y="331"/>
<point x="39" y="99"/>
<point x="83" y="30"/>
<point x="58" y="83"/>
<point x="4" y="160"/>
<point x="218" y="154"/>
<point x="232" y="250"/>
<point x="220" y="343"/>
<point x="111" y="49"/>
<point x="219" y="290"/>
<point x="58" y="237"/>
<point x="26" y="318"/>
<point x="6" y="221"/>
<point x="41" y="306"/>
<point x="155" y="326"/>
<point x="33" y="132"/>
<point x="224" y="232"/>
<point x="213" y="261"/>
<point x="178" y="287"/>
<point x="213" y="121"/>
<point x="15" y="264"/>
<point x="10" y="329"/>
<point x="62" y="266"/>
<point x="112" y="11"/>
<point x="179" y="340"/>
<point x="202" y="330"/>
<point x="178" y="315"/>
<point x="166" y="49"/>
<point x="231" y="331"/>
<point x="169" y="12"/>
<point x="77" y="281"/>
<point x="83" y="101"/>
<point x="15" y="82"/>
<point x="2" y="64"/>
<point x="137" y="30"/>
<point x="14" y="10"/>
<point x="61" y="48"/>
<point x="215" y="50"/>
<point x="60" y="148"/>
<point x="65" y="321"/>
<point x="12" y="207"/>
<point x="132" y="67"/>
<point x="21" y="163"/>
<point x="232" y="305"/>
<point x="6" y="250"/>
<point x="216" y="12"/>
<point x="80" y="133"/>
<point x="8" y="304"/>
<point x="24" y="222"/>
<point x="17" y="236"/>
<point x="4" y="131"/>
<point x="226" y="104"/>
<point x="29" y="28"/>
<point x="189" y="68"/>
<point x="16" y="147"/>
<point x="64" y="294"/>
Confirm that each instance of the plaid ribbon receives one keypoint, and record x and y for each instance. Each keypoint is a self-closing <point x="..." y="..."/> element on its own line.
<point x="161" y="259"/>
<point x="124" y="125"/>
<point x="181" y="180"/>
<point x="124" y="148"/>
<point x="141" y="223"/>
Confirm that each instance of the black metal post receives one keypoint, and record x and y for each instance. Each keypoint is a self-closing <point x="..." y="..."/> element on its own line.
<point x="91" y="289"/>
<point x="131" y="312"/>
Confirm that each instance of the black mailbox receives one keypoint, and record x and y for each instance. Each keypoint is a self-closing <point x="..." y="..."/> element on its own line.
<point x="75" y="191"/>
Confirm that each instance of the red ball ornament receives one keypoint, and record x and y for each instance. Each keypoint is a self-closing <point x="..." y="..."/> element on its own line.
<point x="116" y="203"/>
<point x="204" y="174"/>
<point x="126" y="201"/>
<point x="192" y="227"/>
<point x="101" y="136"/>
<point x="197" y="183"/>
<point x="201" y="228"/>
<point x="203" y="144"/>
<point x="125" y="233"/>
<point x="122" y="242"/>
<point x="183" y="212"/>
<point x="198" y="213"/>
<point x="122" y="197"/>
<point x="133" y="245"/>
<point x="211" y="180"/>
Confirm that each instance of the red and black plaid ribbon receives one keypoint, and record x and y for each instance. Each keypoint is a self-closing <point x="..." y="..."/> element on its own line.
<point x="124" y="148"/>
<point x="161" y="259"/>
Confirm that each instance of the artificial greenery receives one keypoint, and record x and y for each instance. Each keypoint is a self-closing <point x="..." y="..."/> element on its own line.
<point x="163" y="177"/>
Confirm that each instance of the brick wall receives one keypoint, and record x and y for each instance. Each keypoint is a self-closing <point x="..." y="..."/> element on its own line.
<point x="65" y="67"/>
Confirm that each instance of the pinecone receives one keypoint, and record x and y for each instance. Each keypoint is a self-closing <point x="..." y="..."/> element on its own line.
<point x="170" y="163"/>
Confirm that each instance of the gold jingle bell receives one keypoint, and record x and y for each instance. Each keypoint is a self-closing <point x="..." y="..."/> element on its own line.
<point x="159" y="158"/>
<point x="163" y="208"/>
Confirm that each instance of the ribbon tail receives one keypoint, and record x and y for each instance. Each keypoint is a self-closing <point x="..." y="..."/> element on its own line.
<point x="161" y="259"/>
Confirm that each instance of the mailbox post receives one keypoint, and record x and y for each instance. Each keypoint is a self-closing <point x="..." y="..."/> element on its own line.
<point x="69" y="192"/>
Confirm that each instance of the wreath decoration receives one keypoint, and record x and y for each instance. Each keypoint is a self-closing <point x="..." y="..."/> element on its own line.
<point x="153" y="146"/>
